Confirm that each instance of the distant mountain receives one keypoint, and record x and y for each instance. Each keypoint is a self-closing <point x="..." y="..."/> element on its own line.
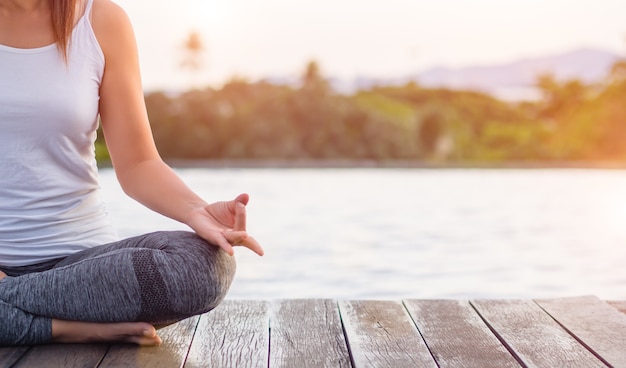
<point x="509" y="81"/>
<point x="514" y="79"/>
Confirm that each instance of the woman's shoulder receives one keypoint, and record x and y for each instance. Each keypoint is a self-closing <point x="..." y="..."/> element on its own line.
<point x="110" y="23"/>
<point x="105" y="11"/>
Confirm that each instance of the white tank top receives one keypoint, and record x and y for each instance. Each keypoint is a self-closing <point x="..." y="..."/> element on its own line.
<point x="50" y="204"/>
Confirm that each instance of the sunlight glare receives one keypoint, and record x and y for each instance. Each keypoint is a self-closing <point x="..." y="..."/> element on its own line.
<point x="203" y="12"/>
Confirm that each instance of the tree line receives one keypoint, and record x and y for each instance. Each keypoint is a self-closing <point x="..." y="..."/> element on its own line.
<point x="260" y="120"/>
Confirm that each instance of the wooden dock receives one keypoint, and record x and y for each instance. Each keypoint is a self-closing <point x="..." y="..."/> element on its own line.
<point x="565" y="332"/>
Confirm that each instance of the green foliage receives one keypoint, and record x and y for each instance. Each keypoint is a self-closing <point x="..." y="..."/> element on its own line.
<point x="246" y="120"/>
<point x="589" y="121"/>
<point x="102" y="154"/>
<point x="514" y="142"/>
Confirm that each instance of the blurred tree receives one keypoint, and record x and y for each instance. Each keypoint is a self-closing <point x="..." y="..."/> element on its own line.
<point x="193" y="55"/>
<point x="559" y="98"/>
<point x="260" y="120"/>
<point x="618" y="72"/>
<point x="313" y="80"/>
<point x="430" y="133"/>
<point x="589" y="123"/>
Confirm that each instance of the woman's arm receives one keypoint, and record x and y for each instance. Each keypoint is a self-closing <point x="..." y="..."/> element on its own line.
<point x="140" y="170"/>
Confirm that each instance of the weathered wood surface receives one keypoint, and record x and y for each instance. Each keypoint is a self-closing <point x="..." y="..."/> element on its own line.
<point x="535" y="338"/>
<point x="8" y="356"/>
<point x="381" y="334"/>
<point x="236" y="334"/>
<point x="71" y="356"/>
<point x="565" y="332"/>
<point x="457" y="336"/>
<point x="599" y="326"/>
<point x="307" y="333"/>
<point x="620" y="305"/>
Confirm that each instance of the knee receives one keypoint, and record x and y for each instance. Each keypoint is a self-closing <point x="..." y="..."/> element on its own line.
<point x="221" y="275"/>
<point x="207" y="273"/>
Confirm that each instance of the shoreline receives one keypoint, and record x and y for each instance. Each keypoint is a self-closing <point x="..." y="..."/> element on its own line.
<point x="388" y="164"/>
<point x="391" y="164"/>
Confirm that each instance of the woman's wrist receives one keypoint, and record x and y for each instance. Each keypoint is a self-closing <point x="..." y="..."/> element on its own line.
<point x="194" y="211"/>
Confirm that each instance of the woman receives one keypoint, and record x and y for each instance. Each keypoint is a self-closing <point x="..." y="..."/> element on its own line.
<point x="64" y="276"/>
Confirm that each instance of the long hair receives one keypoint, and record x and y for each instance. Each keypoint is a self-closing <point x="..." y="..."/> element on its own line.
<point x="62" y="13"/>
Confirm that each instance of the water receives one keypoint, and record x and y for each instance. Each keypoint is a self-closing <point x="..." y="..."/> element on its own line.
<point x="415" y="233"/>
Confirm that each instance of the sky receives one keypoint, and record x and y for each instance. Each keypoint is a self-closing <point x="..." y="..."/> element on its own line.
<point x="255" y="39"/>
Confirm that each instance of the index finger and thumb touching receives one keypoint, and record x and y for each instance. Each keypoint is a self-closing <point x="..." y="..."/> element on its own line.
<point x="238" y="234"/>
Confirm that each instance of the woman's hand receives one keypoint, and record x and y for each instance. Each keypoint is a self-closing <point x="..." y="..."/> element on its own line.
<point x="224" y="224"/>
<point x="138" y="166"/>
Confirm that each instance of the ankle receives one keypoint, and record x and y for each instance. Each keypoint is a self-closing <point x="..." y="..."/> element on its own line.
<point x="78" y="332"/>
<point x="65" y="331"/>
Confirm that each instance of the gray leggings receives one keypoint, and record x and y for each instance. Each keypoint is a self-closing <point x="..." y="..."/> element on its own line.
<point x="158" y="278"/>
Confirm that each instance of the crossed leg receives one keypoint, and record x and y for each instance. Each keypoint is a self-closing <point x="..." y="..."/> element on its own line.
<point x="157" y="278"/>
<point x="139" y="333"/>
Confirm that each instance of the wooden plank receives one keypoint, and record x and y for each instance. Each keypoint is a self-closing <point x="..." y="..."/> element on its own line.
<point x="307" y="333"/>
<point x="593" y="322"/>
<point x="235" y="334"/>
<point x="457" y="336"/>
<point x="64" y="355"/>
<point x="10" y="355"/>
<point x="381" y="334"/>
<point x="620" y="305"/>
<point x="172" y="353"/>
<point x="533" y="336"/>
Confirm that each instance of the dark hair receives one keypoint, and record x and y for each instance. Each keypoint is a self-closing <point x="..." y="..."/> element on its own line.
<point x="62" y="13"/>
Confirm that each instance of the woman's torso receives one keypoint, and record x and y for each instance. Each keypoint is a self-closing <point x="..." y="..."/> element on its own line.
<point x="50" y="204"/>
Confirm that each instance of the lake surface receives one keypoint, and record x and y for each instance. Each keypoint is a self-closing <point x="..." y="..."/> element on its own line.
<point x="415" y="233"/>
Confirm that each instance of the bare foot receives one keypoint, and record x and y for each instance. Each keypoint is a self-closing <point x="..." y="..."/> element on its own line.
<point x="2" y="275"/>
<point x="138" y="333"/>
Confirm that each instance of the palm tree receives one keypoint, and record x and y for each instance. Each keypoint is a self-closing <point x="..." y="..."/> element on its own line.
<point x="193" y="50"/>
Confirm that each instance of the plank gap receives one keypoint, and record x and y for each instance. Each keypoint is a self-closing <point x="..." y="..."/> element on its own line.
<point x="534" y="335"/>
<point x="499" y="337"/>
<point x="594" y="323"/>
<point x="11" y="355"/>
<point x="419" y="332"/>
<point x="580" y="341"/>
